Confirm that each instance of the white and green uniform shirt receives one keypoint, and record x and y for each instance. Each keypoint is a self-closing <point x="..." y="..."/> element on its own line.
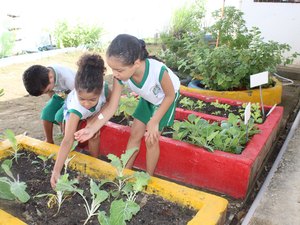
<point x="150" y="88"/>
<point x="64" y="80"/>
<point x="72" y="104"/>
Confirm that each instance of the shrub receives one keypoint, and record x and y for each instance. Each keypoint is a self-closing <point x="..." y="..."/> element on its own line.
<point x="78" y="35"/>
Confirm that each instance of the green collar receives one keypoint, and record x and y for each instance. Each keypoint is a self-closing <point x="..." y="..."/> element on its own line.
<point x="145" y="76"/>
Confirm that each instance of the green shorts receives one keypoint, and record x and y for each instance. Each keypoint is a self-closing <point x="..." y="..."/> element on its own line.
<point x="145" y="110"/>
<point x="53" y="111"/>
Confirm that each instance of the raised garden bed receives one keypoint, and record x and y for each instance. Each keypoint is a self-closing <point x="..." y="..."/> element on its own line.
<point x="226" y="173"/>
<point x="209" y="208"/>
<point x="271" y="95"/>
<point x="214" y="112"/>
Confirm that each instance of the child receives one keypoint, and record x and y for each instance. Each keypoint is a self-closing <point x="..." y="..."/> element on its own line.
<point x="56" y="81"/>
<point x="86" y="100"/>
<point x="157" y="86"/>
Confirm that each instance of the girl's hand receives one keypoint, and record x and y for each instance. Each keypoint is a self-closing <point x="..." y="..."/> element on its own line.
<point x="84" y="134"/>
<point x="152" y="133"/>
<point x="54" y="178"/>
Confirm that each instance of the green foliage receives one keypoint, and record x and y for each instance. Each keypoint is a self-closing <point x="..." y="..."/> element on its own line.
<point x="10" y="135"/>
<point x="189" y="104"/>
<point x="255" y="111"/>
<point x="44" y="160"/>
<point x="240" y="53"/>
<point x="78" y="35"/>
<point x="121" y="209"/>
<point x="221" y="105"/>
<point x="230" y="136"/>
<point x="63" y="189"/>
<point x="10" y="187"/>
<point x="127" y="106"/>
<point x="186" y="23"/>
<point x="98" y="196"/>
<point x="7" y="43"/>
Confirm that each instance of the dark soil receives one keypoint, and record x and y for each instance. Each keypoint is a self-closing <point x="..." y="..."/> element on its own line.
<point x="211" y="109"/>
<point x="154" y="209"/>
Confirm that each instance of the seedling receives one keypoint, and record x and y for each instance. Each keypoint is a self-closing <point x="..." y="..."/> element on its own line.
<point x="98" y="196"/>
<point x="63" y="189"/>
<point x="221" y="105"/>
<point x="75" y="143"/>
<point x="187" y="103"/>
<point x="229" y="136"/>
<point x="256" y="113"/>
<point x="10" y="135"/>
<point x="129" y="185"/>
<point x="200" y="104"/>
<point x="10" y="187"/>
<point x="44" y="160"/>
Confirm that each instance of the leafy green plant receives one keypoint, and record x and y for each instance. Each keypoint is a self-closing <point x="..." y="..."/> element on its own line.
<point x="68" y="159"/>
<point x="127" y="106"/>
<point x="1" y="92"/>
<point x="80" y="34"/>
<point x="240" y="53"/>
<point x="186" y="23"/>
<point x="230" y="136"/>
<point x="221" y="105"/>
<point x="200" y="104"/>
<point x="122" y="210"/>
<point x="98" y="196"/>
<point x="187" y="103"/>
<point x="256" y="113"/>
<point x="11" y="137"/>
<point x="64" y="188"/>
<point x="12" y="188"/>
<point x="44" y="161"/>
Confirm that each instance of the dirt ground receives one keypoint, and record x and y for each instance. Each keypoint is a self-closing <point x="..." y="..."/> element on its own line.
<point x="20" y="112"/>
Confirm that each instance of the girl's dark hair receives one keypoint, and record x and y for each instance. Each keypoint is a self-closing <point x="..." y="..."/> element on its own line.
<point x="36" y="79"/>
<point x="127" y="48"/>
<point x="89" y="76"/>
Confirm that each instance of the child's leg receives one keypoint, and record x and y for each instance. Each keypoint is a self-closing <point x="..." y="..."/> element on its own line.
<point x="48" y="116"/>
<point x="152" y="156"/>
<point x="137" y="132"/>
<point x="94" y="145"/>
<point x="48" y="131"/>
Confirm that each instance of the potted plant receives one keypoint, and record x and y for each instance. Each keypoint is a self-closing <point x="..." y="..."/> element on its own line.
<point x="238" y="53"/>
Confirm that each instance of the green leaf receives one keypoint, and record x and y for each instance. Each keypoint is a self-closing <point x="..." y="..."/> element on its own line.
<point x="19" y="190"/>
<point x="142" y="180"/>
<point x="10" y="135"/>
<point x="5" y="192"/>
<point x="126" y="156"/>
<point x="103" y="219"/>
<point x="121" y="211"/>
<point x="98" y="195"/>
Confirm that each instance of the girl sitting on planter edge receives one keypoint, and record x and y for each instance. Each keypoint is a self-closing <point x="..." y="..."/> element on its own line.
<point x="83" y="103"/>
<point x="153" y="81"/>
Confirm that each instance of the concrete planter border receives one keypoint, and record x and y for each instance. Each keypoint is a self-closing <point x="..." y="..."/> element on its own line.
<point x="211" y="208"/>
<point x="222" y="172"/>
<point x="271" y="95"/>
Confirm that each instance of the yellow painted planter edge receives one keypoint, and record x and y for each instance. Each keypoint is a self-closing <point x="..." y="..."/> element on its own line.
<point x="211" y="208"/>
<point x="270" y="96"/>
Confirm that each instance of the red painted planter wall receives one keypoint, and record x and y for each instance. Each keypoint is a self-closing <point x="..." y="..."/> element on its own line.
<point x="219" y="171"/>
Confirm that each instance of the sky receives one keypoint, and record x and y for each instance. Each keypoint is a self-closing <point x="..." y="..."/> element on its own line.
<point x="137" y="17"/>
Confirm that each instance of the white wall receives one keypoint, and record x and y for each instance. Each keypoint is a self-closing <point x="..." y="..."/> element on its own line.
<point x="277" y="21"/>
